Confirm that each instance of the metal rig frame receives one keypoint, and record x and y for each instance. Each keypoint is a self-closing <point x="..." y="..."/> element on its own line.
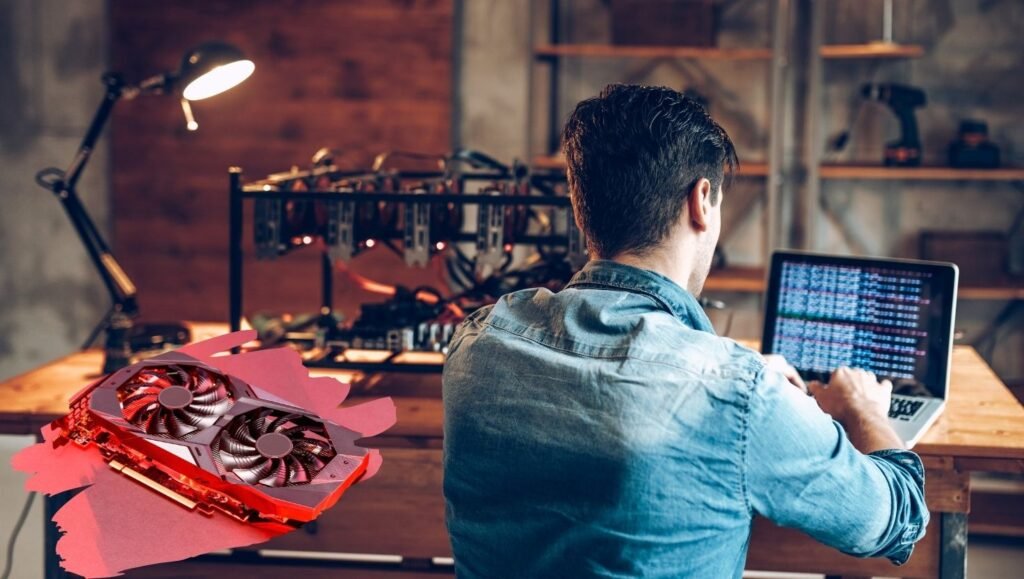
<point x="240" y="192"/>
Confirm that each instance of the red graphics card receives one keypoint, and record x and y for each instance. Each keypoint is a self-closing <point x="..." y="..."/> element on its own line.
<point x="211" y="442"/>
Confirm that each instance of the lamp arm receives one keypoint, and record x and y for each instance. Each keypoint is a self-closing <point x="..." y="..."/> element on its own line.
<point x="62" y="184"/>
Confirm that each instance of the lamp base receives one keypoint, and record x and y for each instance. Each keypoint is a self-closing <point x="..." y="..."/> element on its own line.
<point x="128" y="342"/>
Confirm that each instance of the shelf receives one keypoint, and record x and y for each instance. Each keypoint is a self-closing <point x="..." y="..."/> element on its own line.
<point x="736" y="279"/>
<point x="871" y="50"/>
<point x="616" y="51"/>
<point x="1007" y="290"/>
<point x="874" y="50"/>
<point x="879" y="172"/>
<point x="752" y="280"/>
<point x="750" y="169"/>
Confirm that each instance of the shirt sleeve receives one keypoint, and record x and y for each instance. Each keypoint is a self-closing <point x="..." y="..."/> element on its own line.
<point x="803" y="472"/>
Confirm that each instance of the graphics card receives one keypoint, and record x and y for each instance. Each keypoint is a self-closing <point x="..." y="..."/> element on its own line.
<point x="211" y="442"/>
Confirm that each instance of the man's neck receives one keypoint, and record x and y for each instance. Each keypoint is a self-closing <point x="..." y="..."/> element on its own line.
<point x="671" y="264"/>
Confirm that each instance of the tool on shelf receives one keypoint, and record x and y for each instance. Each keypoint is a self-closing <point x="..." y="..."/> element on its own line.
<point x="972" y="149"/>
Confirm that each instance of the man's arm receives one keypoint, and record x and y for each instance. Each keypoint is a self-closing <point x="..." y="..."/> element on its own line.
<point x="804" y="472"/>
<point x="858" y="401"/>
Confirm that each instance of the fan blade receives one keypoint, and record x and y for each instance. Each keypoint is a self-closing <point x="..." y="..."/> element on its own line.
<point x="210" y="409"/>
<point x="291" y="430"/>
<point x="241" y="432"/>
<point x="132" y="409"/>
<point x="256" y="425"/>
<point x="233" y="461"/>
<point x="155" y="424"/>
<point x="314" y="447"/>
<point x="280" y="421"/>
<point x="233" y="446"/>
<point x="200" y="380"/>
<point x="144" y="419"/>
<point x="297" y="472"/>
<point x="309" y="460"/>
<point x="211" y="396"/>
<point x="192" y="418"/>
<point x="142" y="390"/>
<point x="177" y="427"/>
<point x="254" y="474"/>
<point x="157" y="379"/>
<point x="179" y="376"/>
<point x="279" y="475"/>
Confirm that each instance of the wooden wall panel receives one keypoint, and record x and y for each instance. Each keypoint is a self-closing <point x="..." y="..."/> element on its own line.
<point x="358" y="76"/>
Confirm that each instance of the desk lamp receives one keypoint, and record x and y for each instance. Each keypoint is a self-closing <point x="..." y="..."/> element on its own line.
<point x="207" y="70"/>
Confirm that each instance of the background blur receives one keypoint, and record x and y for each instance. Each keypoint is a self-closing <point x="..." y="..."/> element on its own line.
<point x="430" y="75"/>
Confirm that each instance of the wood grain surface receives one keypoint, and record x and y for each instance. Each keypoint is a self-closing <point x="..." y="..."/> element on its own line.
<point x="360" y="76"/>
<point x="401" y="511"/>
<point x="981" y="429"/>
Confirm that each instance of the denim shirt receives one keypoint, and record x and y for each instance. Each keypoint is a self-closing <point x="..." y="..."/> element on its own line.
<point x="606" y="431"/>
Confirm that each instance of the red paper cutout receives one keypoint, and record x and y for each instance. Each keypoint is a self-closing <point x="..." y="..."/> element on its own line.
<point x="115" y="524"/>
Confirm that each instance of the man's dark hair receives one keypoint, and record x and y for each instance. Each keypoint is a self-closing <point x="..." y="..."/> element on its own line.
<point x="634" y="153"/>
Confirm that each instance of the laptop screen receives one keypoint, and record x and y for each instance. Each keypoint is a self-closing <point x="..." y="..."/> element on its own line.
<point x="890" y="317"/>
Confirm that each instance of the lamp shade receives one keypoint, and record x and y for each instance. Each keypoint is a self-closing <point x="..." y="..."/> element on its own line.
<point x="212" y="68"/>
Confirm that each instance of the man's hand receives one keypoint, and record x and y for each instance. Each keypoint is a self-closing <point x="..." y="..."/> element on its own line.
<point x="851" y="393"/>
<point x="858" y="401"/>
<point x="779" y="364"/>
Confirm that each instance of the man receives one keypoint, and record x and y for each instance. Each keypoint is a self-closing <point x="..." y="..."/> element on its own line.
<point x="605" y="430"/>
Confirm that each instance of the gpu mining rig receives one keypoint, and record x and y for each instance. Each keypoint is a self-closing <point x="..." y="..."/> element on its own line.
<point x="493" y="228"/>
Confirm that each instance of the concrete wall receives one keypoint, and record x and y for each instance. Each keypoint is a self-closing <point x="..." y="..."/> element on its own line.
<point x="52" y="54"/>
<point x="972" y="66"/>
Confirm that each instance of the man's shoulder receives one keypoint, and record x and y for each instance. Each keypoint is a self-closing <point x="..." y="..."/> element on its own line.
<point x="701" y="351"/>
<point x="653" y="336"/>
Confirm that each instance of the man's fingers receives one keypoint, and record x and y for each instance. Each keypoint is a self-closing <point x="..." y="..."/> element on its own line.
<point x="778" y="363"/>
<point x="814" y="386"/>
<point x="794" y="378"/>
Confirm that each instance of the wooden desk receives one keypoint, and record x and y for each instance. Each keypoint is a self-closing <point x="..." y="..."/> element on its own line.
<point x="401" y="512"/>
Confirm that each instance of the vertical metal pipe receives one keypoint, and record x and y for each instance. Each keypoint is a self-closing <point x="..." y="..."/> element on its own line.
<point x="776" y="145"/>
<point x="887" y="21"/>
<point x="812" y="126"/>
<point x="953" y="557"/>
<point x="458" y="39"/>
<point x="326" y="284"/>
<point x="554" y="134"/>
<point x="235" y="249"/>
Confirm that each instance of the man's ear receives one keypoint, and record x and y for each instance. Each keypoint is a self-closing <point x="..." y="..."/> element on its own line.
<point x="699" y="204"/>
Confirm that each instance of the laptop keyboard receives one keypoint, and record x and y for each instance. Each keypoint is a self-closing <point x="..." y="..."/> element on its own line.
<point x="904" y="408"/>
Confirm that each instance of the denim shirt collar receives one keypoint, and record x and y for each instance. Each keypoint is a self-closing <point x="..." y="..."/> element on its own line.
<point x="669" y="295"/>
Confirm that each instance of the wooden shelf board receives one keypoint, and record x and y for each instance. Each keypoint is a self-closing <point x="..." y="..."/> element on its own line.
<point x="832" y="52"/>
<point x="1008" y="290"/>
<point x="871" y="50"/>
<point x="549" y="162"/>
<point x="742" y="279"/>
<point x="879" y="172"/>
<point x="617" y="51"/>
<point x="750" y="169"/>
<point x="752" y="280"/>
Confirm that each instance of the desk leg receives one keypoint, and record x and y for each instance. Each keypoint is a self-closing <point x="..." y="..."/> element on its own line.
<point x="953" y="557"/>
<point x="51" y="562"/>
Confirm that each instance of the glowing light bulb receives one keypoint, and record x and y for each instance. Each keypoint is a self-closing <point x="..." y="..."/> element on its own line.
<point x="218" y="80"/>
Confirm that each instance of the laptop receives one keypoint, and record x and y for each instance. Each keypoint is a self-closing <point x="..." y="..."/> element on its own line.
<point x="893" y="317"/>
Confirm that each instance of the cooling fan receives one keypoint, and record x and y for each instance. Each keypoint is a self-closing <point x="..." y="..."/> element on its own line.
<point x="274" y="448"/>
<point x="176" y="400"/>
<point x="211" y="443"/>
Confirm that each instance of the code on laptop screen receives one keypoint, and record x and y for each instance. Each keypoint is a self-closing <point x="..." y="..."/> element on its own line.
<point x="875" y="318"/>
